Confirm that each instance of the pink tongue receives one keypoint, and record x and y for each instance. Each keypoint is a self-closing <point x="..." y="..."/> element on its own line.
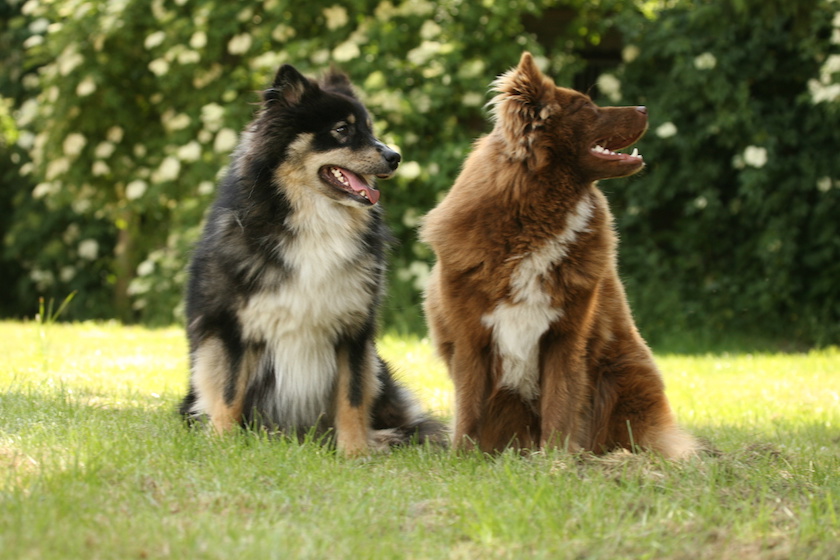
<point x="359" y="186"/>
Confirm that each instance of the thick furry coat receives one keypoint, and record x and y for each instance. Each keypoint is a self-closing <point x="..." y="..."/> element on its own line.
<point x="285" y="283"/>
<point x="524" y="303"/>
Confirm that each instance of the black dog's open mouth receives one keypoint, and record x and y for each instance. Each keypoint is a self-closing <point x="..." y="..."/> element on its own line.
<point x="349" y="182"/>
<point x="607" y="148"/>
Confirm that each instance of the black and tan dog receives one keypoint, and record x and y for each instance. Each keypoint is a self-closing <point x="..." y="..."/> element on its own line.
<point x="285" y="283"/>
<point x="525" y="304"/>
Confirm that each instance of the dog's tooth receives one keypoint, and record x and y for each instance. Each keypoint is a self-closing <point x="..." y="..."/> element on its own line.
<point x="635" y="152"/>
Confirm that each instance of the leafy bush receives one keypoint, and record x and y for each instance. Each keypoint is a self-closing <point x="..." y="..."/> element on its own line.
<point x="733" y="228"/>
<point x="133" y="107"/>
<point x="135" y="121"/>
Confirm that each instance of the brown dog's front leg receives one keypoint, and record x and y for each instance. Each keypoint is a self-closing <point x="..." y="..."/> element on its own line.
<point x="563" y="393"/>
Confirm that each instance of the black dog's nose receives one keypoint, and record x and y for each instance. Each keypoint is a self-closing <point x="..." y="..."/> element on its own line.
<point x="392" y="157"/>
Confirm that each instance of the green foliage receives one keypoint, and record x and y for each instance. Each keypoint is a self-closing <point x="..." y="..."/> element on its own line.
<point x="733" y="227"/>
<point x="130" y="109"/>
<point x="135" y="122"/>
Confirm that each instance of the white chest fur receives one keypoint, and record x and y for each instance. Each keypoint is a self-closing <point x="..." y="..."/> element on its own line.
<point x="519" y="324"/>
<point x="300" y="315"/>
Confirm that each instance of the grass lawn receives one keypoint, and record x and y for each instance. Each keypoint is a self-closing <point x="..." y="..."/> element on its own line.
<point x="95" y="464"/>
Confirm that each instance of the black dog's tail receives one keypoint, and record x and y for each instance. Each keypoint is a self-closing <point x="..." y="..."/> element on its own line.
<point x="396" y="409"/>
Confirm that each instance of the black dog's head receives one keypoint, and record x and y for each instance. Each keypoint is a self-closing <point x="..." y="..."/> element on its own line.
<point x="326" y="137"/>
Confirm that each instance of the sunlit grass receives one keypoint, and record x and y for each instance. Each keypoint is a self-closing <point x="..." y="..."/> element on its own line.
<point x="94" y="463"/>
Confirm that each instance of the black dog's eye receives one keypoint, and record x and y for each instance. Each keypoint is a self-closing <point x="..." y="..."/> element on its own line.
<point x="342" y="129"/>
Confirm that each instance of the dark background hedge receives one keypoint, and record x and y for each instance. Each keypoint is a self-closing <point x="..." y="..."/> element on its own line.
<point x="117" y="116"/>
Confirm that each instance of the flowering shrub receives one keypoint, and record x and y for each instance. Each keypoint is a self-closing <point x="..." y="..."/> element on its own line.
<point x="734" y="227"/>
<point x="135" y="105"/>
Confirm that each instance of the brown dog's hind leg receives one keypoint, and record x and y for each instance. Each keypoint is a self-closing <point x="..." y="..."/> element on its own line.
<point x="470" y="375"/>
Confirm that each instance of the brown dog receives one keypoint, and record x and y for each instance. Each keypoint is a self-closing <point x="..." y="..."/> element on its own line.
<point x="524" y="303"/>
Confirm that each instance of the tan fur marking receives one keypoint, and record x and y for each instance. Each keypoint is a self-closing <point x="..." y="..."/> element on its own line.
<point x="210" y="378"/>
<point x="351" y="422"/>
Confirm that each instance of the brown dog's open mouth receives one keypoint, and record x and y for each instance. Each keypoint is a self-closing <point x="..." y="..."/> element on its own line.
<point x="607" y="148"/>
<point x="350" y="183"/>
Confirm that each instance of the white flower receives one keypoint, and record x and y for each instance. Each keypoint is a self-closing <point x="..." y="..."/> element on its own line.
<point x="225" y="140"/>
<point x="206" y="187"/>
<point x="824" y="184"/>
<point x="100" y="168"/>
<point x="831" y="64"/>
<point x="198" y="40"/>
<point x="755" y="156"/>
<point x="212" y="115"/>
<point x="610" y="86"/>
<point x="168" y="170"/>
<point x="705" y="61"/>
<point x="69" y="60"/>
<point x="336" y="17"/>
<point x="666" y="130"/>
<point x="27" y="112"/>
<point x="410" y="170"/>
<point x="176" y="122"/>
<point x="145" y="268"/>
<point x="320" y="57"/>
<point x="115" y="134"/>
<point x="700" y="202"/>
<point x="42" y="277"/>
<point x="67" y="273"/>
<point x="239" y="44"/>
<point x="282" y="33"/>
<point x="136" y="189"/>
<point x="821" y="92"/>
<point x="73" y="144"/>
<point x="472" y="99"/>
<point x="154" y="40"/>
<point x="159" y="66"/>
<point x="104" y="150"/>
<point x="189" y="152"/>
<point x="86" y="87"/>
<point x="348" y="50"/>
<point x="89" y="249"/>
<point x="429" y="30"/>
<point x="57" y="167"/>
<point x="630" y="53"/>
<point x="423" y="53"/>
<point x="43" y="189"/>
<point x="188" y="57"/>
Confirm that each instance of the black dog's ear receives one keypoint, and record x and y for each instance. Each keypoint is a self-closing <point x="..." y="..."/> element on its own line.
<point x="338" y="81"/>
<point x="289" y="86"/>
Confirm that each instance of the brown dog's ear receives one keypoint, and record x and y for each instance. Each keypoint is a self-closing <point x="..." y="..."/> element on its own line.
<point x="522" y="105"/>
<point x="289" y="87"/>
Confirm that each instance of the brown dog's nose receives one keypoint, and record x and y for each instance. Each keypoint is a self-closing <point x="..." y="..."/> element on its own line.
<point x="642" y="109"/>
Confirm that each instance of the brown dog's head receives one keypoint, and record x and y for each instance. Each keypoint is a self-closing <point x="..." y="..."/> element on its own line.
<point x="545" y="125"/>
